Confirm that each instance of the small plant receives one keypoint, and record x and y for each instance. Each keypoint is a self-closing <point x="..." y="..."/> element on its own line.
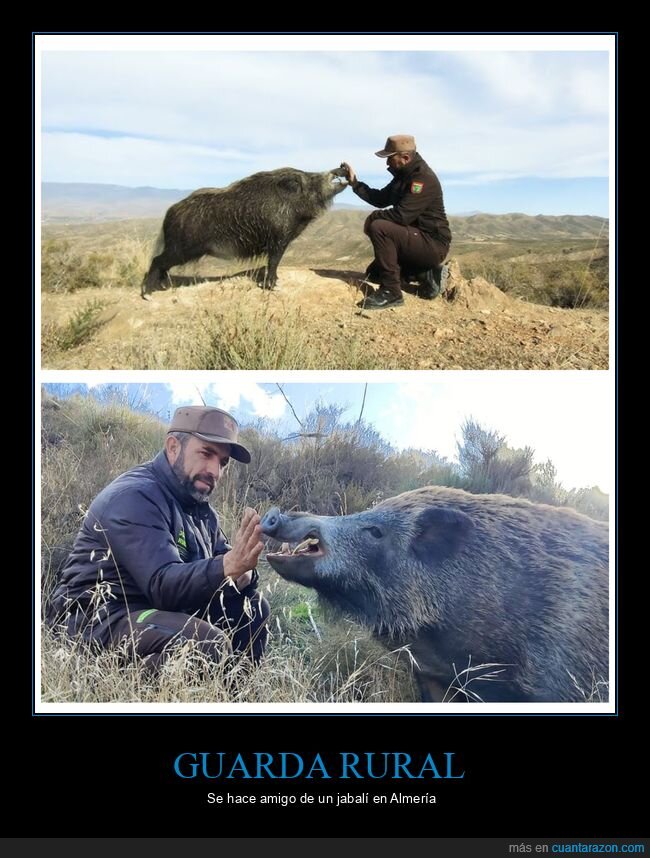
<point x="599" y="691"/>
<point x="78" y="329"/>
<point x="463" y="679"/>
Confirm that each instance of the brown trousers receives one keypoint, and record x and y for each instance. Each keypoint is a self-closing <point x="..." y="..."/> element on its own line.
<point x="401" y="251"/>
<point x="152" y="633"/>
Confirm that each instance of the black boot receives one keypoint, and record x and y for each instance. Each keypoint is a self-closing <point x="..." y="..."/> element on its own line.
<point x="433" y="281"/>
<point x="381" y="299"/>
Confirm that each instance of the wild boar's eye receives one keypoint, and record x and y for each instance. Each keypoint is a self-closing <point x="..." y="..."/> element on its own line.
<point x="374" y="531"/>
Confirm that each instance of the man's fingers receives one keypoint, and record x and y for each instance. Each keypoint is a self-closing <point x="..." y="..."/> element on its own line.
<point x="255" y="544"/>
<point x="248" y="522"/>
<point x="251" y="531"/>
<point x="248" y="515"/>
<point x="247" y="544"/>
<point x="351" y="174"/>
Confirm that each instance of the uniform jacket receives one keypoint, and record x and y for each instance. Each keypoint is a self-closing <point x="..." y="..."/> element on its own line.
<point x="415" y="195"/>
<point x="145" y="543"/>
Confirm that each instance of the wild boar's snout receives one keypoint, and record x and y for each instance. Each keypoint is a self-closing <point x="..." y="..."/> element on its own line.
<point x="290" y="527"/>
<point x="271" y="521"/>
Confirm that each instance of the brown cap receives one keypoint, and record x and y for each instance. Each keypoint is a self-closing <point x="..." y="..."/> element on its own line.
<point x="397" y="143"/>
<point x="210" y="424"/>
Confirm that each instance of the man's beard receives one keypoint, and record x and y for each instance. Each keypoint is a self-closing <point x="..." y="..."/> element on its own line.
<point x="187" y="482"/>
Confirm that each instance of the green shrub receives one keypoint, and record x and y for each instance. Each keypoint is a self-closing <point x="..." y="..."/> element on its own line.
<point x="80" y="328"/>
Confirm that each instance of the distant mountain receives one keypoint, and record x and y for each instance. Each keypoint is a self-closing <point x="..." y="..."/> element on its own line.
<point x="76" y="202"/>
<point x="69" y="202"/>
<point x="73" y="202"/>
<point x="489" y="227"/>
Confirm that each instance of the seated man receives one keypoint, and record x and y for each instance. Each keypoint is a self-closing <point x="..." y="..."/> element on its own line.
<point x="151" y="566"/>
<point x="411" y="239"/>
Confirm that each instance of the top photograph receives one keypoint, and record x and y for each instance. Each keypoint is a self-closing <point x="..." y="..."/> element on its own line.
<point x="329" y="202"/>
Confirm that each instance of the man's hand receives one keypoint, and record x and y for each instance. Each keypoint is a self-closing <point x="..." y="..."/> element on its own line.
<point x="352" y="176"/>
<point x="246" y="547"/>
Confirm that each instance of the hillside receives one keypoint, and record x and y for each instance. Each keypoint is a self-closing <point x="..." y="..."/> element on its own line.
<point x="78" y="203"/>
<point x="93" y="316"/>
<point x="312" y="322"/>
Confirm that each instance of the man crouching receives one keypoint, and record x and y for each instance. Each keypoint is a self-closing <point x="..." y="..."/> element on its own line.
<point x="409" y="231"/>
<point x="152" y="567"/>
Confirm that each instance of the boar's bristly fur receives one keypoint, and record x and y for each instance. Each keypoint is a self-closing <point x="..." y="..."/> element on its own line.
<point x="467" y="579"/>
<point x="258" y="215"/>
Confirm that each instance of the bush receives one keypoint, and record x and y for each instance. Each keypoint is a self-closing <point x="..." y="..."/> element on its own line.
<point x="567" y="283"/>
<point x="63" y="270"/>
<point x="79" y="328"/>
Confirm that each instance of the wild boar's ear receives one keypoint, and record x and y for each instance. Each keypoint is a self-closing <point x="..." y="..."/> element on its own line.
<point x="440" y="532"/>
<point x="291" y="185"/>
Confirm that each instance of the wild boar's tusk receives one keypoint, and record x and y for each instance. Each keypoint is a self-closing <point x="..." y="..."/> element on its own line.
<point x="304" y="544"/>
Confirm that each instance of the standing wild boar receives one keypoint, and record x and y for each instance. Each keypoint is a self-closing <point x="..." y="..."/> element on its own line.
<point x="259" y="215"/>
<point x="466" y="580"/>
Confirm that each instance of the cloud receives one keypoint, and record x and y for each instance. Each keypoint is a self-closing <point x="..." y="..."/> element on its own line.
<point x="539" y="85"/>
<point x="243" y="396"/>
<point x="571" y="426"/>
<point x="135" y="162"/>
<point x="187" y="119"/>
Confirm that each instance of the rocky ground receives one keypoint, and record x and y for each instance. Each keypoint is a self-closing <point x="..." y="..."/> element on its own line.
<point x="472" y="326"/>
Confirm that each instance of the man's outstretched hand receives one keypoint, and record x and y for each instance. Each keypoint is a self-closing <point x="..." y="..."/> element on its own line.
<point x="352" y="176"/>
<point x="246" y="547"/>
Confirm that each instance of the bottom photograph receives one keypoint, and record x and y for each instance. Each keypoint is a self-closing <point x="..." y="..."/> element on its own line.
<point x="423" y="546"/>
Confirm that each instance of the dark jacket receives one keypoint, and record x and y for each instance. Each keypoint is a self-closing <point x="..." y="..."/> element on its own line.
<point x="145" y="543"/>
<point x="416" y="199"/>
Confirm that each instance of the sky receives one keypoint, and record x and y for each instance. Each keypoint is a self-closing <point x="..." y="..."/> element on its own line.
<point x="566" y="417"/>
<point x="507" y="130"/>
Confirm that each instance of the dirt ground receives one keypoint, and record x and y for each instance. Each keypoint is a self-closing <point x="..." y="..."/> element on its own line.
<point x="472" y="326"/>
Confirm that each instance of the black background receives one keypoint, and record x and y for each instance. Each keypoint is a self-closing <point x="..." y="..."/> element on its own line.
<point x="541" y="776"/>
<point x="569" y="776"/>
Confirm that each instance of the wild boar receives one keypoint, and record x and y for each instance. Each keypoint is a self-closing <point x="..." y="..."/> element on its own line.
<point x="466" y="580"/>
<point x="258" y="215"/>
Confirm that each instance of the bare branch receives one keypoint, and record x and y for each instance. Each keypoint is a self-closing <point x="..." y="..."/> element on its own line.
<point x="365" y="390"/>
<point x="288" y="403"/>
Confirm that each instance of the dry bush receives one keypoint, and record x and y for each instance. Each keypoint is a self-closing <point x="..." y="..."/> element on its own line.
<point x="67" y="267"/>
<point x="245" y="333"/>
<point x="84" y="445"/>
<point x="563" y="283"/>
<point x="80" y="327"/>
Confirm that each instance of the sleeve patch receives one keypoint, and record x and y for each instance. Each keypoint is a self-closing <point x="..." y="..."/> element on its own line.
<point x="416" y="187"/>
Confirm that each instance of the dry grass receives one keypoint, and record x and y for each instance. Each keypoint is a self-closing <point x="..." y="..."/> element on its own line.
<point x="249" y="331"/>
<point x="466" y="682"/>
<point x="65" y="267"/>
<point x="344" y="665"/>
<point x="597" y="693"/>
<point x="77" y="330"/>
<point x="234" y="326"/>
<point x="466" y="685"/>
<point x="221" y="319"/>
